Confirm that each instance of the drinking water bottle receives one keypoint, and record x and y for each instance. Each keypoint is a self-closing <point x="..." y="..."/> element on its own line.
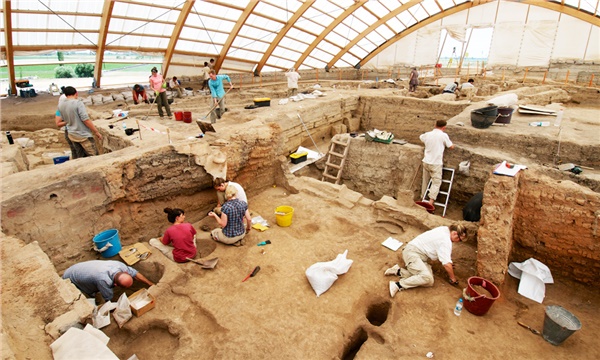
<point x="559" y="117"/>
<point x="458" y="308"/>
<point x="124" y="125"/>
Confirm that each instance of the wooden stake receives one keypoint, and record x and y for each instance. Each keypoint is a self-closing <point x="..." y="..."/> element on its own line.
<point x="591" y="81"/>
<point x="240" y="81"/>
<point x="525" y="75"/>
<point x="138" y="126"/>
<point x="567" y="78"/>
<point x="544" y="79"/>
<point x="260" y="78"/>
<point x="340" y="74"/>
<point x="398" y="75"/>
<point x="503" y="70"/>
<point x="317" y="75"/>
<point x="169" y="135"/>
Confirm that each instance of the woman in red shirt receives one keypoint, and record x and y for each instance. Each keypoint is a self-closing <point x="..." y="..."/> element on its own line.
<point x="179" y="241"/>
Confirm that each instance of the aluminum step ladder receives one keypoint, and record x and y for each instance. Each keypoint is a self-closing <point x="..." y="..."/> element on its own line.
<point x="445" y="188"/>
<point x="336" y="157"/>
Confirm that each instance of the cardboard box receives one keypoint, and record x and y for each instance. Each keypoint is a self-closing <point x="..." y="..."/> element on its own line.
<point x="259" y="102"/>
<point x="145" y="308"/>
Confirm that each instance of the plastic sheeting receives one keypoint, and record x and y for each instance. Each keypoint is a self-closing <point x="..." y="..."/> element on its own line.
<point x="505" y="41"/>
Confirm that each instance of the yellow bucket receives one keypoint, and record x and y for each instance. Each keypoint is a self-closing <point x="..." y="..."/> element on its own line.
<point x="283" y="215"/>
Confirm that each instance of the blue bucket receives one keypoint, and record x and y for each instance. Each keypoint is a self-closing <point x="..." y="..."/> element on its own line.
<point x="108" y="243"/>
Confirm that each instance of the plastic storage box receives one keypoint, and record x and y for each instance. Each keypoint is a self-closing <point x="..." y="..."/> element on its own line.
<point x="298" y="157"/>
<point x="262" y="102"/>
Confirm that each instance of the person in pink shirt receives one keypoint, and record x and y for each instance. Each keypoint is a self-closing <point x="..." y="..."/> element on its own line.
<point x="179" y="241"/>
<point x="156" y="83"/>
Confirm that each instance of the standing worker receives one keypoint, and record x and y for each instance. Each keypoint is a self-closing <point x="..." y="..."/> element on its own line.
<point x="435" y="244"/>
<point x="94" y="276"/>
<point x="157" y="83"/>
<point x="292" y="79"/>
<point x="414" y="80"/>
<point x="205" y="76"/>
<point x="436" y="141"/>
<point x="80" y="127"/>
<point x="215" y="84"/>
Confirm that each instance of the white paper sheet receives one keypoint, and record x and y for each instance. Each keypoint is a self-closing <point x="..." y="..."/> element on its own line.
<point x="503" y="169"/>
<point x="392" y="243"/>
<point x="534" y="275"/>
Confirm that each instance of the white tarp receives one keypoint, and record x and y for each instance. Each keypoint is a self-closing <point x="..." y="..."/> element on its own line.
<point x="533" y="275"/>
<point x="505" y="43"/>
<point x="427" y="44"/>
<point x="536" y="44"/>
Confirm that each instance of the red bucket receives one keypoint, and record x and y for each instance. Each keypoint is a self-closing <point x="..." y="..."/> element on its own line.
<point x="476" y="303"/>
<point x="178" y="115"/>
<point x="187" y="117"/>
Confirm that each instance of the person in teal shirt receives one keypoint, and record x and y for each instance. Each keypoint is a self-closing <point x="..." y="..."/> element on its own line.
<point x="215" y="85"/>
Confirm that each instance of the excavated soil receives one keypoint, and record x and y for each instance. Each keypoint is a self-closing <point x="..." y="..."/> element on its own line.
<point x="213" y="314"/>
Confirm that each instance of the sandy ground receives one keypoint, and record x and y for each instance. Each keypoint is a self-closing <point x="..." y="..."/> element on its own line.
<point x="277" y="315"/>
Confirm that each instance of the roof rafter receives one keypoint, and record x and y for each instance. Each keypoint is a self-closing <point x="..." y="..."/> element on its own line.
<point x="282" y="33"/>
<point x="420" y="25"/>
<point x="183" y="14"/>
<point x="10" y="59"/>
<point x="327" y="30"/>
<point x="373" y="26"/>
<point x="234" y="32"/>
<point x="565" y="9"/>
<point x="102" y="34"/>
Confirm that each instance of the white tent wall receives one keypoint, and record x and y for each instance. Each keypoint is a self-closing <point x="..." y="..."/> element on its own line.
<point x="536" y="43"/>
<point x="524" y="35"/>
<point x="565" y="48"/>
<point x="427" y="45"/>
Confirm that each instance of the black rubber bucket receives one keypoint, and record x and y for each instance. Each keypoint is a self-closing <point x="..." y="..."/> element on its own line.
<point x="488" y="111"/>
<point x="481" y="121"/>
<point x="504" y="115"/>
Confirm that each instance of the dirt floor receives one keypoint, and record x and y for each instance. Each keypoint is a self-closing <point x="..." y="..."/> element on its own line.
<point x="211" y="313"/>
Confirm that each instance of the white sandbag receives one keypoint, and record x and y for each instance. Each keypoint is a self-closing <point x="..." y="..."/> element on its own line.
<point x="96" y="99"/>
<point x="122" y="313"/>
<point x="107" y="99"/>
<point x="504" y="100"/>
<point x="463" y="167"/>
<point x="86" y="101"/>
<point x="118" y="97"/>
<point x="323" y="274"/>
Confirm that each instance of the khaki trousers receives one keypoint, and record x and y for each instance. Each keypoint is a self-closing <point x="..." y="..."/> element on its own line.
<point x="418" y="272"/>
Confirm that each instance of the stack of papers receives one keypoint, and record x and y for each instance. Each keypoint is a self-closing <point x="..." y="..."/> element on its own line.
<point x="392" y="243"/>
<point x="508" y="169"/>
<point x="259" y="223"/>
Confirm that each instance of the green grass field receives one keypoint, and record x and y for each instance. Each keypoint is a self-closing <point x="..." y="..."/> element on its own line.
<point x="47" y="71"/>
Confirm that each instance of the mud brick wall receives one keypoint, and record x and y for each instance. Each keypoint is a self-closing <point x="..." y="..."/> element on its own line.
<point x="407" y="118"/>
<point x="557" y="223"/>
<point x="127" y="192"/>
<point x="495" y="234"/>
<point x="318" y="119"/>
<point x="381" y="169"/>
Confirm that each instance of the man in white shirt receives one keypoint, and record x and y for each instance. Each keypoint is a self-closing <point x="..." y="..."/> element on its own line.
<point x="221" y="185"/>
<point x="175" y="85"/>
<point x="435" y="244"/>
<point x="436" y="141"/>
<point x="292" y="78"/>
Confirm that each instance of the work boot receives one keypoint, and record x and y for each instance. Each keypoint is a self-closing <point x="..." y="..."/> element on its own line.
<point x="394" y="270"/>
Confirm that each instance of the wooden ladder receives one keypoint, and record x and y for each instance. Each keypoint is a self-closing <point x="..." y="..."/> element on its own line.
<point x="445" y="188"/>
<point x="336" y="157"/>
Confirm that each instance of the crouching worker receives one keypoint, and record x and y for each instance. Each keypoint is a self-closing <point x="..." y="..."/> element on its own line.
<point x="179" y="241"/>
<point x="91" y="277"/>
<point x="231" y="221"/>
<point x="435" y="244"/>
<point x="221" y="185"/>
